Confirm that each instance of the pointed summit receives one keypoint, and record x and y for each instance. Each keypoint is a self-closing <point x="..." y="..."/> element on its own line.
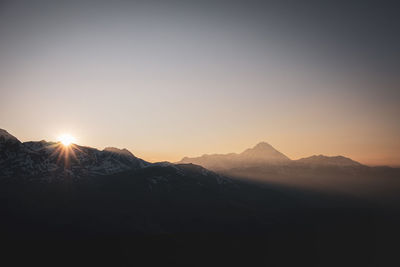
<point x="263" y="152"/>
<point x="263" y="145"/>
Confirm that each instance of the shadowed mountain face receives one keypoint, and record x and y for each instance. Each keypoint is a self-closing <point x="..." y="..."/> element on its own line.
<point x="6" y="137"/>
<point x="187" y="216"/>
<point x="85" y="207"/>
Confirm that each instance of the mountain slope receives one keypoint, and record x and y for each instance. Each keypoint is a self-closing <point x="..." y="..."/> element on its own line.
<point x="5" y="136"/>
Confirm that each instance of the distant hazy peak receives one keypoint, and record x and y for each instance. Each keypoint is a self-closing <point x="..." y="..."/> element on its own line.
<point x="266" y="151"/>
<point x="4" y="134"/>
<point x="262" y="145"/>
<point x="329" y="160"/>
<point x="261" y="154"/>
<point x="123" y="151"/>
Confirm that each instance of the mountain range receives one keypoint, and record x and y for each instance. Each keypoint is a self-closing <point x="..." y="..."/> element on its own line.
<point x="263" y="154"/>
<point x="80" y="206"/>
<point x="51" y="160"/>
<point x="48" y="161"/>
<point x="263" y="163"/>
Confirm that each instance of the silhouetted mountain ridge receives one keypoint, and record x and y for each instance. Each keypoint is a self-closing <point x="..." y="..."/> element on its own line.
<point x="53" y="162"/>
<point x="328" y="161"/>
<point x="48" y="161"/>
<point x="263" y="154"/>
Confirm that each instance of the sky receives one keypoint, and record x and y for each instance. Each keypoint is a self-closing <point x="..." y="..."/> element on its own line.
<point x="168" y="79"/>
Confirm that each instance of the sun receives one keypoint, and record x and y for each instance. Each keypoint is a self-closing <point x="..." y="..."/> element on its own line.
<point x="66" y="139"/>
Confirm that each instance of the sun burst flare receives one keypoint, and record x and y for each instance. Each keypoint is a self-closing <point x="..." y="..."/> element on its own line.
<point x="66" y="139"/>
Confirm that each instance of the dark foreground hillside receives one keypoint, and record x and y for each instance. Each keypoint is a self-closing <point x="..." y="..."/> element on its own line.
<point x="185" y="215"/>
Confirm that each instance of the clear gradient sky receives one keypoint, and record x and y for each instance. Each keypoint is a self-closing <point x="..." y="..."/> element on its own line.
<point x="171" y="79"/>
